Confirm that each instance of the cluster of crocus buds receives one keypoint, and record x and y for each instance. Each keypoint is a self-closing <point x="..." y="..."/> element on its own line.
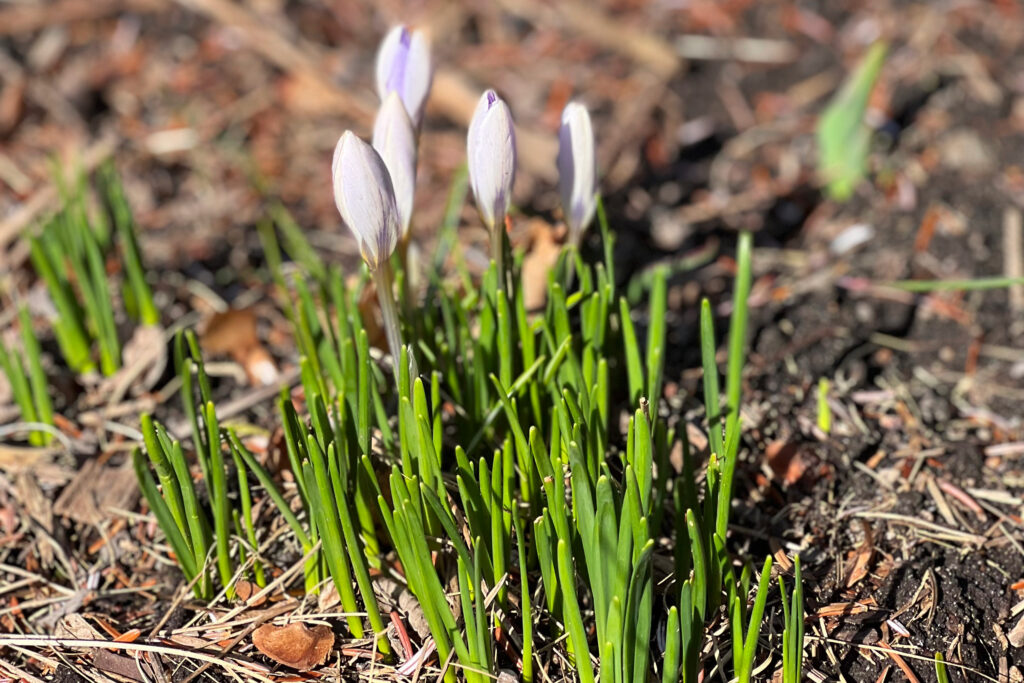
<point x="374" y="186"/>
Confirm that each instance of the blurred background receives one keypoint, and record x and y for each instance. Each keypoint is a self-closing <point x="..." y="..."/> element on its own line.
<point x="703" y="109"/>
<point x="215" y="111"/>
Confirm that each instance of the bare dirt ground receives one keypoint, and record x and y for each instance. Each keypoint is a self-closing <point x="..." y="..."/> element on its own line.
<point x="907" y="513"/>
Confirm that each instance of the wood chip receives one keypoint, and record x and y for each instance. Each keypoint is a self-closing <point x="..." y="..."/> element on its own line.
<point x="1016" y="634"/>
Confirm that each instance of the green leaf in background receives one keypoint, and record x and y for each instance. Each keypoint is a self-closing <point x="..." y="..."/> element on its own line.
<point x="843" y="139"/>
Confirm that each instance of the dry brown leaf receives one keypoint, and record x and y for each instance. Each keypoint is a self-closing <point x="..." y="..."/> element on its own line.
<point x="233" y="332"/>
<point x="786" y="461"/>
<point x="865" y="553"/>
<point x="294" y="645"/>
<point x="190" y="641"/>
<point x="245" y="590"/>
<point x="74" y="626"/>
<point x="328" y="597"/>
<point x="113" y="663"/>
<point x="541" y="257"/>
<point x="369" y="311"/>
<point x="95" y="490"/>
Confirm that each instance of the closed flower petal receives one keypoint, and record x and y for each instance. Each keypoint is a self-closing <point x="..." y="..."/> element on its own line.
<point x="403" y="67"/>
<point x="365" y="198"/>
<point x="577" y="169"/>
<point x="395" y="141"/>
<point x="491" y="151"/>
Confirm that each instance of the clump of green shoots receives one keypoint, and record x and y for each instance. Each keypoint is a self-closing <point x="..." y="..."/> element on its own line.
<point x="487" y="456"/>
<point x="69" y="253"/>
<point x="793" y="633"/>
<point x="27" y="380"/>
<point x="184" y="520"/>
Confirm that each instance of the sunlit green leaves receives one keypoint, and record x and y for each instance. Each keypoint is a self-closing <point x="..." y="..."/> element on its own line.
<point x="843" y="137"/>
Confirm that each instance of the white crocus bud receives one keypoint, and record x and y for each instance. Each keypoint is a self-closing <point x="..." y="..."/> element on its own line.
<point x="395" y="141"/>
<point x="577" y="169"/>
<point x="365" y="198"/>
<point x="403" y="67"/>
<point x="491" y="152"/>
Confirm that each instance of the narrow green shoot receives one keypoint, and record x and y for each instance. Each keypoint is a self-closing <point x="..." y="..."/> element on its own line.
<point x="29" y="385"/>
<point x="793" y="633"/>
<point x="940" y="668"/>
<point x="131" y="255"/>
<point x="824" y="409"/>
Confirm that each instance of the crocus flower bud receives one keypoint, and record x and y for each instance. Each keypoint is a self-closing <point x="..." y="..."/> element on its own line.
<point x="395" y="141"/>
<point x="365" y="198"/>
<point x="403" y="66"/>
<point x="491" y="151"/>
<point x="577" y="169"/>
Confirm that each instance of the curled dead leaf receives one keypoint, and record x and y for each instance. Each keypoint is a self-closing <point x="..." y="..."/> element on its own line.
<point x="540" y="258"/>
<point x="786" y="460"/>
<point x="234" y="333"/>
<point x="294" y="645"/>
<point x="245" y="590"/>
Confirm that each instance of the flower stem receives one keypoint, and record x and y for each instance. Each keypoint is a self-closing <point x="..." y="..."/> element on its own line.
<point x="385" y="296"/>
<point x="498" y="251"/>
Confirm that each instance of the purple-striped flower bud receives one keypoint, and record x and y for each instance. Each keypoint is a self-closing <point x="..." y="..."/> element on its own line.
<point x="395" y="141"/>
<point x="491" y="152"/>
<point x="403" y="67"/>
<point x="577" y="169"/>
<point x="365" y="198"/>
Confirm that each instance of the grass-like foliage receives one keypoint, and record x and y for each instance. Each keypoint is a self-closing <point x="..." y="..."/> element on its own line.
<point x="27" y="380"/>
<point x="793" y="633"/>
<point x="69" y="253"/>
<point x="511" y="466"/>
<point x="493" y="464"/>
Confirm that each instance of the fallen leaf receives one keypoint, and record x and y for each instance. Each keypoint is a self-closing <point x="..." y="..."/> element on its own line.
<point x="233" y="332"/>
<point x="245" y="590"/>
<point x="294" y="645"/>
<point x="74" y="626"/>
<point x="95" y="490"/>
<point x="113" y="663"/>
<point x="328" y="597"/>
<point x="862" y="561"/>
<point x="541" y="257"/>
<point x="786" y="461"/>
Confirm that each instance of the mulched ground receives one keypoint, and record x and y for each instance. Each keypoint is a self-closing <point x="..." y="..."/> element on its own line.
<point x="907" y="514"/>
